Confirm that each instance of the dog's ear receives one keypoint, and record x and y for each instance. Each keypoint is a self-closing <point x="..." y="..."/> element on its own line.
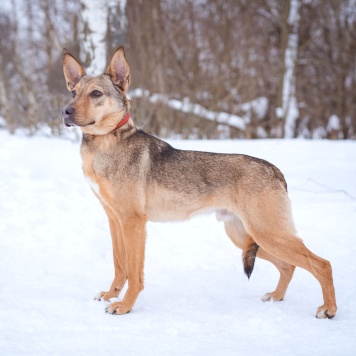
<point x="119" y="69"/>
<point x="72" y="70"/>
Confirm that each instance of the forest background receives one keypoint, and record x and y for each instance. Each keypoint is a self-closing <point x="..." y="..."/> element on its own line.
<point x="200" y="68"/>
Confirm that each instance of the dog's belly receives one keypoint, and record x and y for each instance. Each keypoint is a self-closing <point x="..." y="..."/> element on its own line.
<point x="157" y="215"/>
<point x="175" y="207"/>
<point x="164" y="216"/>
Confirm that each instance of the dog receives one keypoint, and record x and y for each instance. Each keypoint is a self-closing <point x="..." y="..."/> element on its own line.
<point x="139" y="178"/>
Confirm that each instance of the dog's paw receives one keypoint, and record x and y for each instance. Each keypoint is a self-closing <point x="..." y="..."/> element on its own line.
<point x="119" y="308"/>
<point x="271" y="297"/>
<point x="325" y="312"/>
<point x="106" y="295"/>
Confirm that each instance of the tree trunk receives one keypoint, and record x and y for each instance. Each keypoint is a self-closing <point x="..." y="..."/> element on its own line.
<point x="287" y="109"/>
<point x="94" y="28"/>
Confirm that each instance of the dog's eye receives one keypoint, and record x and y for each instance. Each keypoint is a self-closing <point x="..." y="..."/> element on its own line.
<point x="73" y="93"/>
<point x="96" y="93"/>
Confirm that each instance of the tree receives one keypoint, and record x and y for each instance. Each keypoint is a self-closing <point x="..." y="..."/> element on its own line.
<point x="94" y="15"/>
<point x="202" y="68"/>
<point x="289" y="109"/>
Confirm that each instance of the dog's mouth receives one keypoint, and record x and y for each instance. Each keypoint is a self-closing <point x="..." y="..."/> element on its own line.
<point x="69" y="123"/>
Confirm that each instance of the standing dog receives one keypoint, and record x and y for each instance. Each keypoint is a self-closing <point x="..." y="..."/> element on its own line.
<point x="138" y="178"/>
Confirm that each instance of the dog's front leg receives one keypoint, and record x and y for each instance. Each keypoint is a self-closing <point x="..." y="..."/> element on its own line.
<point x="134" y="236"/>
<point x="119" y="256"/>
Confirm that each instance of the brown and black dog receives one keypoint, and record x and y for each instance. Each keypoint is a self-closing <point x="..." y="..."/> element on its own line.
<point x="139" y="178"/>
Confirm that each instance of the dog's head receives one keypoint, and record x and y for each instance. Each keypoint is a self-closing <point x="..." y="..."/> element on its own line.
<point x="99" y="103"/>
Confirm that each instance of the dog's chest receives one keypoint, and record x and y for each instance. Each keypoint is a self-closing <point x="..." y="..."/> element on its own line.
<point x="93" y="185"/>
<point x="93" y="169"/>
<point x="91" y="176"/>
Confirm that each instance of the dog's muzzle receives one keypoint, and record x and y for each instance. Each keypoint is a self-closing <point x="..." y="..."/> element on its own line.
<point x="67" y="113"/>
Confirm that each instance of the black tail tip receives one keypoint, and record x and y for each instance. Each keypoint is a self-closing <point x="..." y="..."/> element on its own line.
<point x="248" y="257"/>
<point x="248" y="270"/>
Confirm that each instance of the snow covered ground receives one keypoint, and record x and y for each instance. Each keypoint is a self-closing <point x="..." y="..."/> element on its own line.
<point x="55" y="255"/>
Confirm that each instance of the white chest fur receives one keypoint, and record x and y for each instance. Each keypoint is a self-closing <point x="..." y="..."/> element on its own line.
<point x="94" y="186"/>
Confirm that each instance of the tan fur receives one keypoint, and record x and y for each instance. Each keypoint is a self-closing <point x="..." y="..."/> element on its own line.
<point x="138" y="178"/>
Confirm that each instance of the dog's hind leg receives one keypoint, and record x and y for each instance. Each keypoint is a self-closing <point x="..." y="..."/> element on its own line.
<point x="286" y="271"/>
<point x="267" y="219"/>
<point x="291" y="249"/>
<point x="119" y="257"/>
<point x="239" y="236"/>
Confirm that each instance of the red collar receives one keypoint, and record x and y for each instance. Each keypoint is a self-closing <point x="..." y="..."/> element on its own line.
<point x="123" y="121"/>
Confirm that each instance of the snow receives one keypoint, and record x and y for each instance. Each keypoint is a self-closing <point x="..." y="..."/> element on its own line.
<point x="257" y="106"/>
<point x="2" y="122"/>
<point x="55" y="256"/>
<point x="188" y="107"/>
<point x="333" y="123"/>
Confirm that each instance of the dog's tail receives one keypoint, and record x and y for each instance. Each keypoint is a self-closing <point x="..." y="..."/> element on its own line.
<point x="249" y="255"/>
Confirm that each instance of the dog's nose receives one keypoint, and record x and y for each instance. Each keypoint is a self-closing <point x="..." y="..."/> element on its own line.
<point x="67" y="110"/>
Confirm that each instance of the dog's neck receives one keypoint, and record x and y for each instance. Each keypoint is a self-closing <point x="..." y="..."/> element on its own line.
<point x="123" y="129"/>
<point x="123" y="121"/>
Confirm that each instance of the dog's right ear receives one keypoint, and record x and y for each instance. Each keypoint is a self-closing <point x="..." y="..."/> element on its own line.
<point x="72" y="70"/>
<point x="119" y="70"/>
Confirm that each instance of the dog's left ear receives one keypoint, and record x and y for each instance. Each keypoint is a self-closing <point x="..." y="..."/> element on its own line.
<point x="119" y="69"/>
<point x="72" y="70"/>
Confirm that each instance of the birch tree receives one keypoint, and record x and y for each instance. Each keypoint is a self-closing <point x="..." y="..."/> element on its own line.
<point x="93" y="31"/>
<point x="287" y="109"/>
<point x="101" y="21"/>
<point x="290" y="107"/>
